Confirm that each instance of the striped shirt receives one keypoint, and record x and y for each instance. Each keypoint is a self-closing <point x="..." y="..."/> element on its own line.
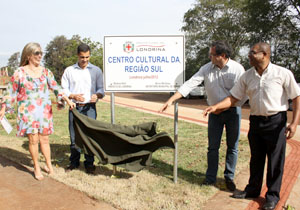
<point x="217" y="82"/>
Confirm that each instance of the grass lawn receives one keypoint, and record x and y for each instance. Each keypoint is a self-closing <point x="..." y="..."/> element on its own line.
<point x="151" y="188"/>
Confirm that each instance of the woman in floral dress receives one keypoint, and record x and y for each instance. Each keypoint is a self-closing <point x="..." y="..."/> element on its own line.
<point x="29" y="88"/>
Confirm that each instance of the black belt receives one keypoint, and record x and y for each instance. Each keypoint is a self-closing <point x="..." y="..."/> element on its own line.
<point x="77" y="104"/>
<point x="265" y="118"/>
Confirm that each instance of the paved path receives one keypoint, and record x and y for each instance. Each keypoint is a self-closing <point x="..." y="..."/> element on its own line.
<point x="290" y="190"/>
<point x="20" y="191"/>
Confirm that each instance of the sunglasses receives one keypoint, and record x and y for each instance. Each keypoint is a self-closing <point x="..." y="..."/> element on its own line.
<point x="38" y="53"/>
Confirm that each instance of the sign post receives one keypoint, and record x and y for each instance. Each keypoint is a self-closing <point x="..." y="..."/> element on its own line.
<point x="175" y="142"/>
<point x="145" y="64"/>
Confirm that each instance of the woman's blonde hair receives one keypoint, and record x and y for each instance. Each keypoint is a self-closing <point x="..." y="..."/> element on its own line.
<point x="28" y="50"/>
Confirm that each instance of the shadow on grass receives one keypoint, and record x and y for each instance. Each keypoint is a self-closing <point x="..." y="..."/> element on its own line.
<point x="9" y="157"/>
<point x="164" y="169"/>
<point x="161" y="168"/>
<point x="60" y="157"/>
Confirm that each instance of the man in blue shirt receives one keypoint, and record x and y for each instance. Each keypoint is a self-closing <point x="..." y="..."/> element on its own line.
<point x="82" y="83"/>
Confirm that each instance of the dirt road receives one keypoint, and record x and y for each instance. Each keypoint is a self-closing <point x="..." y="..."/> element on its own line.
<point x="192" y="103"/>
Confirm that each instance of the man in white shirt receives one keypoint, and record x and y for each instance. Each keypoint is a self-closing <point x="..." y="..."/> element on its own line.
<point x="83" y="83"/>
<point x="268" y="87"/>
<point x="219" y="76"/>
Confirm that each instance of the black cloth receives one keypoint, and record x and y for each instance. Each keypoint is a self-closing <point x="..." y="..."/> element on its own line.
<point x="267" y="138"/>
<point x="130" y="147"/>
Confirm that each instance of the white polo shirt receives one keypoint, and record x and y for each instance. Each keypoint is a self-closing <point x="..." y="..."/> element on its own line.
<point x="269" y="93"/>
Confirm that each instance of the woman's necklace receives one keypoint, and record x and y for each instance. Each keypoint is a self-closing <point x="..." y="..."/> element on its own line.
<point x="34" y="73"/>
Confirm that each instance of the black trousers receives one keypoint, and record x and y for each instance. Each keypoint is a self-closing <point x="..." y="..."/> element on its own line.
<point x="267" y="139"/>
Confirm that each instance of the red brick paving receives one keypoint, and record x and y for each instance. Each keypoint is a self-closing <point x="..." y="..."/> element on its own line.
<point x="290" y="175"/>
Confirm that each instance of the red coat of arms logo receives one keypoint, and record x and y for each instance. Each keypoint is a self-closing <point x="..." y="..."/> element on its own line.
<point x="128" y="47"/>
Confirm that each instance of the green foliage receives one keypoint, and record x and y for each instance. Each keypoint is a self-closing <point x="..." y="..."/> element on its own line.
<point x="259" y="15"/>
<point x="277" y="22"/>
<point x="56" y="51"/>
<point x="242" y="23"/>
<point x="13" y="63"/>
<point x="289" y="207"/>
<point x="62" y="52"/>
<point x="96" y="52"/>
<point x="211" y="20"/>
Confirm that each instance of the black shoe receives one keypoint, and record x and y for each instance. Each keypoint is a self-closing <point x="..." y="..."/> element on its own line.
<point x="71" y="168"/>
<point x="243" y="194"/>
<point x="230" y="185"/>
<point x="90" y="169"/>
<point x="269" y="205"/>
<point x="207" y="183"/>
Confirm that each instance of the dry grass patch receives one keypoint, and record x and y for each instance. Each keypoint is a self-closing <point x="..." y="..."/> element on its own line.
<point x="152" y="188"/>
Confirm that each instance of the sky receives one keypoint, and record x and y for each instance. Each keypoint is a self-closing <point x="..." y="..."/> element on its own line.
<point x="42" y="20"/>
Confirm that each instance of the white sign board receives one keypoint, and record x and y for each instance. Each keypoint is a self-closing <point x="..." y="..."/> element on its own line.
<point x="143" y="63"/>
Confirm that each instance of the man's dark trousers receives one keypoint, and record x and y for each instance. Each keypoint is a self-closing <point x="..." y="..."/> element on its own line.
<point x="90" y="111"/>
<point x="267" y="138"/>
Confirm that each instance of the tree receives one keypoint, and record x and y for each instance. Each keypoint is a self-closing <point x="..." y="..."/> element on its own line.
<point x="211" y="20"/>
<point x="278" y="23"/>
<point x="243" y="23"/>
<point x="56" y="52"/>
<point x="13" y="63"/>
<point x="291" y="10"/>
<point x="96" y="52"/>
<point x="61" y="53"/>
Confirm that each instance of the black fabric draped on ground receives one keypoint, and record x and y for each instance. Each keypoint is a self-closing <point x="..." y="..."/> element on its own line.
<point x="129" y="147"/>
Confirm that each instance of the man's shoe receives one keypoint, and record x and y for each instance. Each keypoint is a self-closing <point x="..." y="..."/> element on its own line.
<point x="71" y="168"/>
<point x="207" y="183"/>
<point x="269" y="205"/>
<point x="90" y="169"/>
<point x="243" y="194"/>
<point x="230" y="185"/>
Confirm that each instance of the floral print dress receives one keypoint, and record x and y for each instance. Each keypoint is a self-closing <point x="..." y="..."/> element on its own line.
<point x="33" y="101"/>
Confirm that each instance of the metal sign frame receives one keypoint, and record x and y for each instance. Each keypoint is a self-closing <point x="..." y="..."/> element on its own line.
<point x="156" y="64"/>
<point x="175" y="160"/>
